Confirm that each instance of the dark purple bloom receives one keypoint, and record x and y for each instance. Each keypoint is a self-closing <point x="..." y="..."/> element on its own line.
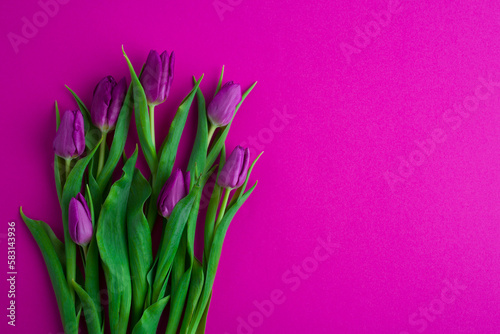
<point x="235" y="170"/>
<point x="79" y="221"/>
<point x="107" y="102"/>
<point x="176" y="188"/>
<point x="221" y="109"/>
<point x="70" y="137"/>
<point x="157" y="76"/>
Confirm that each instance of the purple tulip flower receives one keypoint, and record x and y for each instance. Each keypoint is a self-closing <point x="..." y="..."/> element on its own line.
<point x="176" y="188"/>
<point x="107" y="102"/>
<point x="79" y="221"/>
<point x="221" y="109"/>
<point x="235" y="170"/>
<point x="70" y="137"/>
<point x="157" y="76"/>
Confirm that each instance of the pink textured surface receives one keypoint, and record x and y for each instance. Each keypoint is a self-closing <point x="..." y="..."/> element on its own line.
<point x="358" y="108"/>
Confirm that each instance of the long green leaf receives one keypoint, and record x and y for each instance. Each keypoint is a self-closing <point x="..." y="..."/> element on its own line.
<point x="142" y="118"/>
<point x="200" y="146"/>
<point x="214" y="257"/>
<point x="178" y="300"/>
<point x="71" y="188"/>
<point x="57" y="162"/>
<point x="139" y="243"/>
<point x="220" y="81"/>
<point x="215" y="253"/>
<point x="180" y="288"/>
<point x="90" y="310"/>
<point x="92" y="263"/>
<point x="213" y="205"/>
<point x="112" y="242"/>
<point x="96" y="192"/>
<point x="57" y="176"/>
<point x="56" y="243"/>
<point x="58" y="116"/>
<point x="151" y="317"/>
<point x="171" y="237"/>
<point x="203" y="323"/>
<point x="119" y="139"/>
<point x="169" y="151"/>
<point x="55" y="269"/>
<point x="195" y="288"/>
<point x="91" y="132"/>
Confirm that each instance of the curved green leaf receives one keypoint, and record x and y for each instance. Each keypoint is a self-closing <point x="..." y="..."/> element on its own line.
<point x="142" y="118"/>
<point x="214" y="257"/>
<point x="220" y="81"/>
<point x="56" y="243"/>
<point x="180" y="287"/>
<point x="92" y="262"/>
<point x="58" y="116"/>
<point x="57" y="176"/>
<point x="151" y="317"/>
<point x="203" y="323"/>
<point x="178" y="299"/>
<point x="139" y="243"/>
<point x="195" y="288"/>
<point x="169" y="151"/>
<point x="90" y="310"/>
<point x="89" y="127"/>
<point x="119" y="139"/>
<point x="55" y="269"/>
<point x="71" y="188"/>
<point x="200" y="146"/>
<point x="171" y="237"/>
<point x="112" y="242"/>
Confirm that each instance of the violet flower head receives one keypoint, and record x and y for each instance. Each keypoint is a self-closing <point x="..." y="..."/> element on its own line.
<point x="221" y="110"/>
<point x="69" y="142"/>
<point x="157" y="76"/>
<point x="107" y="102"/>
<point x="235" y="170"/>
<point x="79" y="221"/>
<point x="176" y="188"/>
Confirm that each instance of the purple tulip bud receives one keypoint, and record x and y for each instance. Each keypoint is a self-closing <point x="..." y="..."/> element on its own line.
<point x="221" y="109"/>
<point x="107" y="102"/>
<point x="70" y="137"/>
<point x="79" y="221"/>
<point x="235" y="170"/>
<point x="157" y="76"/>
<point x="176" y="188"/>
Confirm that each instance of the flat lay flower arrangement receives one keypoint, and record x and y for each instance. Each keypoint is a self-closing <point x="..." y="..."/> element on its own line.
<point x="108" y="223"/>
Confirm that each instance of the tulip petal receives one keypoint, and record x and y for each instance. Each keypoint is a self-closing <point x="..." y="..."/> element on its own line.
<point x="78" y="133"/>
<point x="221" y="139"/>
<point x="79" y="220"/>
<point x="150" y="78"/>
<point x="117" y="98"/>
<point x="64" y="145"/>
<point x="223" y="106"/>
<point x="173" y="191"/>
<point x="82" y="200"/>
<point x="101" y="101"/>
<point x="230" y="173"/>
<point x="244" y="169"/>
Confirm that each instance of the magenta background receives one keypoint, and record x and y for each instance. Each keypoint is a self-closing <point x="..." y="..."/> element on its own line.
<point x="322" y="175"/>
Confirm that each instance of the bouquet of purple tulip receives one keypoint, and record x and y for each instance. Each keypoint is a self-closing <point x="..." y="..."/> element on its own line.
<point x="111" y="220"/>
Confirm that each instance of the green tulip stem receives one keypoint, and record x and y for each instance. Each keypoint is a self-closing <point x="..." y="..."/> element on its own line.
<point x="102" y="152"/>
<point x="211" y="131"/>
<point x="84" y="252"/>
<point x="68" y="167"/>
<point x="223" y="206"/>
<point x="152" y="123"/>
